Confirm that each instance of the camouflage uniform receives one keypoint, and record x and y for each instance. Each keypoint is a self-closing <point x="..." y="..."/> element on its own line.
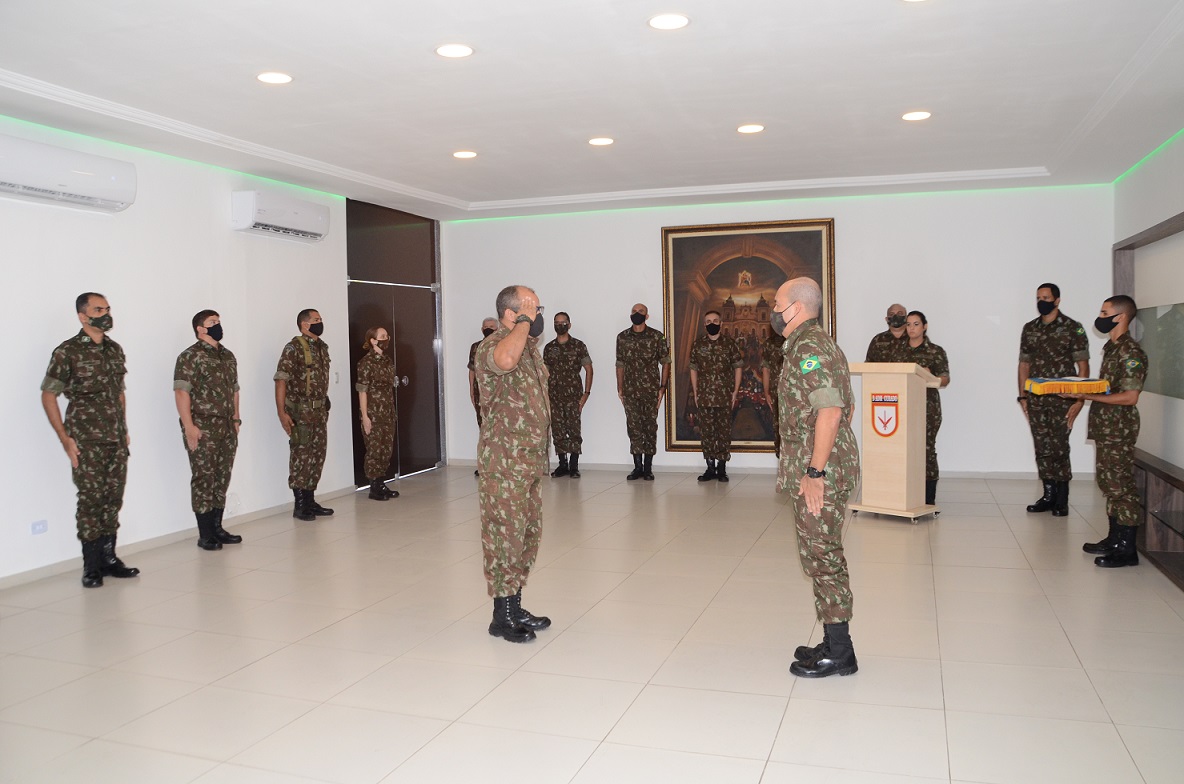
<point x="1053" y="351"/>
<point x="771" y="358"/>
<point x="376" y="377"/>
<point x="641" y="354"/>
<point x="565" y="388"/>
<point x="815" y="376"/>
<point x="473" y="367"/>
<point x="933" y="358"/>
<point x="210" y="375"/>
<point x="512" y="461"/>
<point x="90" y="375"/>
<point x="716" y="361"/>
<point x="1115" y="429"/>
<point x="885" y="347"/>
<point x="307" y="403"/>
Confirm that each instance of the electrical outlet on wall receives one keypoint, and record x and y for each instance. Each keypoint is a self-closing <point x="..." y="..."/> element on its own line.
<point x="39" y="527"/>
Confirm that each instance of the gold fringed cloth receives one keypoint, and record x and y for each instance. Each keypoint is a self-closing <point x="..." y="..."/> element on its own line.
<point x="1067" y="386"/>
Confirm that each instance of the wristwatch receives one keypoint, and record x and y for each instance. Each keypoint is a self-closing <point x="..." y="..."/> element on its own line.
<point x="814" y="473"/>
<point x="1021" y="398"/>
<point x="524" y="319"/>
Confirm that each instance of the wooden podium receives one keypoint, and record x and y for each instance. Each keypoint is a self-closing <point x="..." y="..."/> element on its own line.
<point x="893" y="454"/>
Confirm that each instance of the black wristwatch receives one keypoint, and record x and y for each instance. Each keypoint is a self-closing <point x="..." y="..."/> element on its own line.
<point x="524" y="319"/>
<point x="1021" y="398"/>
<point x="814" y="473"/>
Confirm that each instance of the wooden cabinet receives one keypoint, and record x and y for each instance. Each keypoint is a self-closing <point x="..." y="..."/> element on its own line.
<point x="1161" y="493"/>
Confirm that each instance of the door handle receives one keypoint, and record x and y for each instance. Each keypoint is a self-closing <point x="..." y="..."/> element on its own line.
<point x="405" y="380"/>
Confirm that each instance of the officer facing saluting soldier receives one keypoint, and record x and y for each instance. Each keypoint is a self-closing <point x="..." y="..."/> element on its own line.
<point x="302" y="402"/>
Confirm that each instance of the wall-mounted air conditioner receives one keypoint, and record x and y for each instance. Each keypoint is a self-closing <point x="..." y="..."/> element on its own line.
<point x="280" y="215"/>
<point x="42" y="172"/>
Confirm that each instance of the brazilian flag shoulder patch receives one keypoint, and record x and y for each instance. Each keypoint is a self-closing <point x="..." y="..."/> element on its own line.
<point x="1081" y="330"/>
<point x="1133" y="363"/>
<point x="810" y="363"/>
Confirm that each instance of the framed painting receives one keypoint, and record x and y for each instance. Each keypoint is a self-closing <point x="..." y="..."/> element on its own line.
<point x="735" y="269"/>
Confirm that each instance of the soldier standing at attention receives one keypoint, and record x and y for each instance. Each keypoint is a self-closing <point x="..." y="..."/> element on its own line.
<point x="920" y="351"/>
<point x="302" y="401"/>
<point x="1114" y="427"/>
<point x="771" y="359"/>
<point x="488" y="327"/>
<point x="716" y="367"/>
<point x="205" y="389"/>
<point x="885" y="346"/>
<point x="640" y="349"/>
<point x="564" y="357"/>
<point x="376" y="402"/>
<point x="512" y="458"/>
<point x="1052" y="345"/>
<point x="89" y="369"/>
<point x="819" y="465"/>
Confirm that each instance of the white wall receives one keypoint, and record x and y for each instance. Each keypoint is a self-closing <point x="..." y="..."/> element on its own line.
<point x="971" y="261"/>
<point x="1151" y="192"/>
<point x="166" y="257"/>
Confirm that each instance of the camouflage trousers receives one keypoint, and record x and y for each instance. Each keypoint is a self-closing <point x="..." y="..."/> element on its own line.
<point x="641" y="421"/>
<point x="932" y="425"/>
<point x="100" y="477"/>
<point x="380" y="443"/>
<point x="715" y="430"/>
<point x="565" y="426"/>
<point x="776" y="428"/>
<point x="820" y="548"/>
<point x="1115" y="461"/>
<point x="511" y="527"/>
<point x="1049" y="423"/>
<point x="307" y="446"/>
<point x="210" y="464"/>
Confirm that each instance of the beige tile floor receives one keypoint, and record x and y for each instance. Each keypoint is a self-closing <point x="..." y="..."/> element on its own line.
<point x="354" y="649"/>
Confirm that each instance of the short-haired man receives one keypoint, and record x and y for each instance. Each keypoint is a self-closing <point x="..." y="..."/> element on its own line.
<point x="886" y="346"/>
<point x="716" y="366"/>
<point x="488" y="327"/>
<point x="89" y="369"/>
<point x="565" y="357"/>
<point x="771" y="361"/>
<point x="205" y="389"/>
<point x="1052" y="345"/>
<point x="641" y="350"/>
<point x="302" y="402"/>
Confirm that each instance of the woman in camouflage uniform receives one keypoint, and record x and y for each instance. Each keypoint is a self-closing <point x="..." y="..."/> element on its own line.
<point x="376" y="401"/>
<point x="933" y="358"/>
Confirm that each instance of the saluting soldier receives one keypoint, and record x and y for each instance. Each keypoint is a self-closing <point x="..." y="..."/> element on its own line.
<point x="512" y="458"/>
<point x="89" y="369"/>
<point x="771" y="360"/>
<point x="376" y="402"/>
<point x="1114" y="427"/>
<point x="716" y="366"/>
<point x="488" y="327"/>
<point x="819" y="466"/>
<point x="640" y="351"/>
<point x="565" y="357"/>
<point x="1052" y="345"/>
<point x="919" y="350"/>
<point x="302" y="401"/>
<point x="886" y="346"/>
<point x="205" y="389"/>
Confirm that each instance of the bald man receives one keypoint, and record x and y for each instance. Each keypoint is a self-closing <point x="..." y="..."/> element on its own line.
<point x="885" y="347"/>
<point x="819" y="466"/>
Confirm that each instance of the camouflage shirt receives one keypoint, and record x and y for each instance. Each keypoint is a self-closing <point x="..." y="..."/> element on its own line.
<point x="376" y="377"/>
<point x="90" y="375"/>
<point x="516" y="421"/>
<point x="933" y="358"/>
<point x="814" y="376"/>
<point x="1054" y="349"/>
<point x="564" y="361"/>
<point x="210" y="375"/>
<point x="305" y="383"/>
<point x="886" y="348"/>
<point x="640" y="354"/>
<point x="473" y="363"/>
<point x="716" y="361"/>
<point x="1124" y="365"/>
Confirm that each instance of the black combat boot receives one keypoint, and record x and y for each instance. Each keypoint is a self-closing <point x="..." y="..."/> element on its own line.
<point x="376" y="493"/>
<point x="647" y="468"/>
<point x="1046" y="501"/>
<point x="386" y="489"/>
<point x="315" y="508"/>
<point x="1106" y="545"/>
<point x="722" y="472"/>
<point x="524" y="616"/>
<point x="112" y="566"/>
<point x="837" y="656"/>
<point x="710" y="473"/>
<point x="92" y="564"/>
<point x="504" y="625"/>
<point x="1061" y="504"/>
<point x="574" y="464"/>
<point x="638" y="471"/>
<point x="224" y="536"/>
<point x="930" y="492"/>
<point x="805" y="653"/>
<point x="1124" y="553"/>
<point x="561" y="469"/>
<point x="301" y="510"/>
<point x="206" y="538"/>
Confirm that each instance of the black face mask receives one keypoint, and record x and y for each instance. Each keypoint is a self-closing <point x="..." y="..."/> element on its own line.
<point x="104" y="323"/>
<point x="215" y="333"/>
<point x="712" y="329"/>
<point x="317" y="329"/>
<point x="382" y="344"/>
<point x="487" y="331"/>
<point x="896" y="322"/>
<point x="777" y="321"/>
<point x="1045" y="307"/>
<point x="537" y="326"/>
<point x="1104" y="324"/>
<point x="637" y="318"/>
<point x="561" y="329"/>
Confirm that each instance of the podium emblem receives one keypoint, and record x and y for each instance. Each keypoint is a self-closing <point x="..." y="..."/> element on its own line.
<point x="884" y="418"/>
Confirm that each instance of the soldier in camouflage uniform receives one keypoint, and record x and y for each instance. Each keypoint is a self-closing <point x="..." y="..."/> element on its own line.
<point x="1114" y="427"/>
<point x="1052" y="345"/>
<point x="640" y="350"/>
<point x="564" y="357"/>
<point x="205" y="387"/>
<point x="302" y="402"/>
<point x="819" y="466"/>
<point x="89" y="369"/>
<point x="771" y="360"/>
<point x="920" y="351"/>
<point x="376" y="403"/>
<point x="512" y="458"/>
<point x="716" y="367"/>
<point x="886" y="346"/>
<point x="488" y="327"/>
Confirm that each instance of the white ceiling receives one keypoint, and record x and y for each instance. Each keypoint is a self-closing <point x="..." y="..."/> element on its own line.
<point x="1023" y="93"/>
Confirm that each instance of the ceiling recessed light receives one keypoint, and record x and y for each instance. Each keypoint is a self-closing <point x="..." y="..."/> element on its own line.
<point x="464" y="154"/>
<point x="752" y="128"/>
<point x="914" y="116"/>
<point x="600" y="141"/>
<point x="274" y="77"/>
<point x="669" y="22"/>
<point x="454" y="50"/>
